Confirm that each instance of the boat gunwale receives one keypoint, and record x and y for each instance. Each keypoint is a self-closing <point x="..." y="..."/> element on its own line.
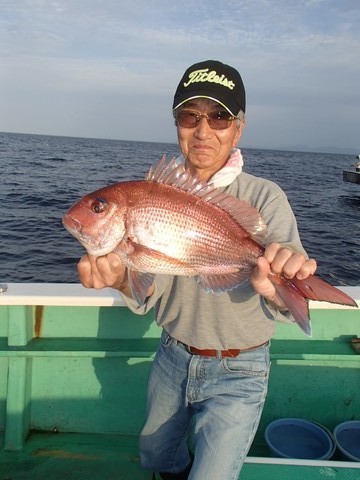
<point x="74" y="294"/>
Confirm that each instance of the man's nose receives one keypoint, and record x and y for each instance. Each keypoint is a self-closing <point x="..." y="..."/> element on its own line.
<point x="203" y="129"/>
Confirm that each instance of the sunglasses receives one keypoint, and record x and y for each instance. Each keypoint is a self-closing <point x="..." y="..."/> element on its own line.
<point x="217" y="120"/>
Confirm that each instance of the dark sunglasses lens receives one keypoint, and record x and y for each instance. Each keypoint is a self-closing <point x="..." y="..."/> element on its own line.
<point x="187" y="119"/>
<point x="219" y="120"/>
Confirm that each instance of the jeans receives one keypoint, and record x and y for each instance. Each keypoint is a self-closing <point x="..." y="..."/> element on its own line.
<point x="220" y="399"/>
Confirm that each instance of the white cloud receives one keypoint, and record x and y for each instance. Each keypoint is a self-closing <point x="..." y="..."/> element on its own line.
<point x="299" y="59"/>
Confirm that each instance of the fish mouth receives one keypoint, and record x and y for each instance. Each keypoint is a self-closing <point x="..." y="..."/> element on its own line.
<point x="74" y="227"/>
<point x="71" y="224"/>
<point x="92" y="245"/>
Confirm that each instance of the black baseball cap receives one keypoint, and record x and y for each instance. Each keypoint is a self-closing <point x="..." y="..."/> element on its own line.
<point x="213" y="80"/>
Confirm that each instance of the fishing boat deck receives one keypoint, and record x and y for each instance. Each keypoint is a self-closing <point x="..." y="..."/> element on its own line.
<point x="71" y="456"/>
<point x="73" y="371"/>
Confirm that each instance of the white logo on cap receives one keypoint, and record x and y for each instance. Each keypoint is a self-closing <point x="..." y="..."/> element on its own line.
<point x="204" y="75"/>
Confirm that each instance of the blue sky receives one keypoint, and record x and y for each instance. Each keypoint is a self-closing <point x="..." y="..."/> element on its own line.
<point x="108" y="69"/>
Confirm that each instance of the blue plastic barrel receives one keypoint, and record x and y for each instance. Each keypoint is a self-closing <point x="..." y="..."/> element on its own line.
<point x="299" y="438"/>
<point x="347" y="439"/>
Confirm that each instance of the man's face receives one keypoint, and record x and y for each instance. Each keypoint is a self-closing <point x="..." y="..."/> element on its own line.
<point x="206" y="150"/>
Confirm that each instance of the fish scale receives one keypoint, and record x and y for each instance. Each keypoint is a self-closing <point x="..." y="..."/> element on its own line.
<point x="190" y="231"/>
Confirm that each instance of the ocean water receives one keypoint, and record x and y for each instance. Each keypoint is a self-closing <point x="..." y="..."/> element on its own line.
<point x="42" y="176"/>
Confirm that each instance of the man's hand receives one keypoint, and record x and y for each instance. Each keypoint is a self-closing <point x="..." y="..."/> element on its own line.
<point x="280" y="261"/>
<point x="100" y="272"/>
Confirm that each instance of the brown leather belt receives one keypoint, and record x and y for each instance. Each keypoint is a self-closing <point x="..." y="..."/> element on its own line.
<point x="232" y="352"/>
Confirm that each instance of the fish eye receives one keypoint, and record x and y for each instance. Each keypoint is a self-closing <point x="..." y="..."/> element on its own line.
<point x="99" y="205"/>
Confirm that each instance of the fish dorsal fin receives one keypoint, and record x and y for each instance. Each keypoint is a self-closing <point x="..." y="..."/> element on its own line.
<point x="175" y="174"/>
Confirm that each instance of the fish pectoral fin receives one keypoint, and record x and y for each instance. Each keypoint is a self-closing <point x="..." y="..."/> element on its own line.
<point x="222" y="283"/>
<point x="139" y="284"/>
<point x="147" y="259"/>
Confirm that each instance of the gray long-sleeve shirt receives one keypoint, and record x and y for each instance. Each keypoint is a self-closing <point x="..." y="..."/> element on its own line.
<point x="239" y="318"/>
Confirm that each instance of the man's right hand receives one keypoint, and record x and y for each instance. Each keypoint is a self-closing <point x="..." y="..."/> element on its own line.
<point x="105" y="271"/>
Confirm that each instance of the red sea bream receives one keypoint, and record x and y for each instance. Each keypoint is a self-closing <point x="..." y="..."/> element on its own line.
<point x="173" y="223"/>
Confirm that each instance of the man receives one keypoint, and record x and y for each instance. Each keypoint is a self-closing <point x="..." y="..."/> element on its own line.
<point x="211" y="367"/>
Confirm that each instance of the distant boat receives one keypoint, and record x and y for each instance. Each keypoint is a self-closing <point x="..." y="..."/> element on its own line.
<point x="350" y="175"/>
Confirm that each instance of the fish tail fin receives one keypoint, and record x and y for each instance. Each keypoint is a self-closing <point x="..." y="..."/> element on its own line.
<point x="296" y="303"/>
<point x="295" y="294"/>
<point x="314" y="288"/>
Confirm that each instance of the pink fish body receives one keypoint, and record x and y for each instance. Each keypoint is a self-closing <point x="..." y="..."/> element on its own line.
<point x="172" y="223"/>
